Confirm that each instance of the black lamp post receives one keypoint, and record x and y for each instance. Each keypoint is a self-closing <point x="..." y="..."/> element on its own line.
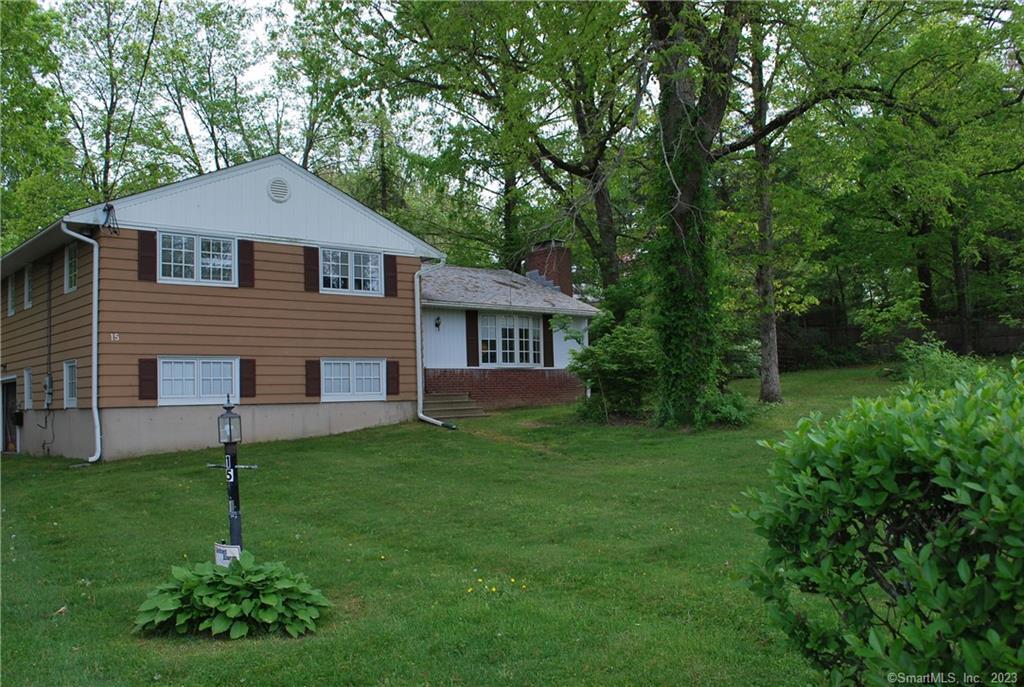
<point x="229" y="431"/>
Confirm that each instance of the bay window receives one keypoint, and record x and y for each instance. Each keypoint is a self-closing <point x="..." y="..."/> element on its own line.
<point x="510" y="340"/>
<point x="197" y="259"/>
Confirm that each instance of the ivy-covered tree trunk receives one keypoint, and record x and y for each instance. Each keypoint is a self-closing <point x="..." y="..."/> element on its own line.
<point x="693" y="95"/>
<point x="687" y="305"/>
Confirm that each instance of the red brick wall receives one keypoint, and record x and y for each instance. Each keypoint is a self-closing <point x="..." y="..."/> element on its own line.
<point x="504" y="388"/>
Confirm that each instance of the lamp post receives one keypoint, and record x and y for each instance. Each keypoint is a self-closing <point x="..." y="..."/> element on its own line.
<point x="229" y="431"/>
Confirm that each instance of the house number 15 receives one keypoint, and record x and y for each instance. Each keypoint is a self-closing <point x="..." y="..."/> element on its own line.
<point x="114" y="336"/>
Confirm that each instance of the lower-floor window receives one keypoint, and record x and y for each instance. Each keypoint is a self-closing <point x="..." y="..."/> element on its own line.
<point x="347" y="379"/>
<point x="197" y="381"/>
<point x="510" y="340"/>
<point x="70" y="383"/>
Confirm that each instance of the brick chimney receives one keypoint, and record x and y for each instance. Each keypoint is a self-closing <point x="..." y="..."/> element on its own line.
<point x="552" y="260"/>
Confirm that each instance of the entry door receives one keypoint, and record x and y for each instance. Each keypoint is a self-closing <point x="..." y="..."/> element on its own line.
<point x="10" y="400"/>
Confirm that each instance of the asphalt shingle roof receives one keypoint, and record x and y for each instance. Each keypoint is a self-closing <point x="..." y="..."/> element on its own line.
<point x="491" y="289"/>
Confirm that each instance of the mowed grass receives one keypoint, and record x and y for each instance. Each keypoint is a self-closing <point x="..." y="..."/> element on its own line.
<point x="628" y="567"/>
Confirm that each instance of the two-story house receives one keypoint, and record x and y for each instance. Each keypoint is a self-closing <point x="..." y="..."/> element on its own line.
<point x="128" y="323"/>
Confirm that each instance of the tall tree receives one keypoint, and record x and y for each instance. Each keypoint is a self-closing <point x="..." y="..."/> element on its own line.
<point x="105" y="77"/>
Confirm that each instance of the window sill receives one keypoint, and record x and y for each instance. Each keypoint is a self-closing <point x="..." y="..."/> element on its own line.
<point x="353" y="397"/>
<point x="219" y="401"/>
<point x="196" y="282"/>
<point x="343" y="292"/>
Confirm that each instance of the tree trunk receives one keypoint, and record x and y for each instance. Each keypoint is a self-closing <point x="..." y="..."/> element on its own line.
<point x="923" y="228"/>
<point x="512" y="248"/>
<point x="963" y="310"/>
<point x="686" y="318"/>
<point x="771" y="385"/>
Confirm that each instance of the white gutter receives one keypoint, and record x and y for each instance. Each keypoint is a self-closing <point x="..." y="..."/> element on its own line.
<point x="94" y="372"/>
<point x="419" y="349"/>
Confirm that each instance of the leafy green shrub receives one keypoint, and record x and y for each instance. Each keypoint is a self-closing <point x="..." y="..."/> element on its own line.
<point x="929" y="363"/>
<point x="244" y="597"/>
<point x="896" y="532"/>
<point x="620" y="369"/>
<point x="726" y="408"/>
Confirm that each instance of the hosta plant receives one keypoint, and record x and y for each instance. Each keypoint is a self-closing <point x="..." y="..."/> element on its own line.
<point x="246" y="597"/>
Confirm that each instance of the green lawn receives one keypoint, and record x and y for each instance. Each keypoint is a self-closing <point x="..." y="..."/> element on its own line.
<point x="628" y="565"/>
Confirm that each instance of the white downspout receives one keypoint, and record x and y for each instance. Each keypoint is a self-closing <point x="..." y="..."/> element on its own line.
<point x="419" y="349"/>
<point x="97" y="433"/>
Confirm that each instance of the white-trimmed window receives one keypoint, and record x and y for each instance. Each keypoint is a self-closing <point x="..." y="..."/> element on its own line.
<point x="510" y="340"/>
<point x="28" y="286"/>
<point x="27" y="379"/>
<point x="70" y="267"/>
<point x="188" y="259"/>
<point x="352" y="380"/>
<point x="196" y="380"/>
<point x="10" y="295"/>
<point x="346" y="271"/>
<point x="70" y="384"/>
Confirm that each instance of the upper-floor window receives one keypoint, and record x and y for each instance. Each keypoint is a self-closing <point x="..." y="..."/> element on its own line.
<point x="510" y="340"/>
<point x="346" y="271"/>
<point x="197" y="381"/>
<point x="10" y="296"/>
<point x="70" y="384"/>
<point x="185" y="258"/>
<point x="352" y="380"/>
<point x="28" y="286"/>
<point x="70" y="267"/>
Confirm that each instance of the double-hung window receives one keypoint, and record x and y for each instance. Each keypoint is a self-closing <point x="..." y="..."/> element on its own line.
<point x="70" y="384"/>
<point x="348" y="271"/>
<point x="70" y="267"/>
<point x="510" y="340"/>
<point x="197" y="381"/>
<point x="188" y="259"/>
<point x="343" y="379"/>
<point x="10" y="296"/>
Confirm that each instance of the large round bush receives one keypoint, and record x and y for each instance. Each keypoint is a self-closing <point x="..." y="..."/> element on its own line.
<point x="896" y="533"/>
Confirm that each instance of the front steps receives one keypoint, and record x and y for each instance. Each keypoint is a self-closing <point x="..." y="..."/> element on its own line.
<point x="450" y="406"/>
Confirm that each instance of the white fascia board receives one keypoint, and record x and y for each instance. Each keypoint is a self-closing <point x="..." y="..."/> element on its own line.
<point x="507" y="309"/>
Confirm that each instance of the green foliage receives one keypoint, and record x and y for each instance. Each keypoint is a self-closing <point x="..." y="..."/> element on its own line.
<point x="723" y="408"/>
<point x="619" y="368"/>
<point x="896" y="532"/>
<point x="741" y="359"/>
<point x="242" y="598"/>
<point x="930" y="364"/>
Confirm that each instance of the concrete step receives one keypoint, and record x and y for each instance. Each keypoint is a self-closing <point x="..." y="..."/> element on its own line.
<point x="445" y="397"/>
<point x="450" y="405"/>
<point x="451" y="414"/>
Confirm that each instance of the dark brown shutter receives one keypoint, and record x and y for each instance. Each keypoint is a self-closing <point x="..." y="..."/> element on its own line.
<point x="390" y="275"/>
<point x="247" y="378"/>
<point x="246" y="264"/>
<point x="147" y="256"/>
<point x="393" y="378"/>
<point x="311" y="270"/>
<point x="312" y="377"/>
<point x="549" y="343"/>
<point x="472" y="339"/>
<point x="147" y="379"/>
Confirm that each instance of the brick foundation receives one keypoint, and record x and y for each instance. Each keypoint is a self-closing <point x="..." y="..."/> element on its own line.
<point x="505" y="388"/>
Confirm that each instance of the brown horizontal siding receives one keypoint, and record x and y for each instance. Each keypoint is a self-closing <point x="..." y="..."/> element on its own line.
<point x="24" y="336"/>
<point x="276" y="322"/>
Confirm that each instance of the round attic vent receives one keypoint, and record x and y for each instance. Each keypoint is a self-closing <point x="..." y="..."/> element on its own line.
<point x="278" y="190"/>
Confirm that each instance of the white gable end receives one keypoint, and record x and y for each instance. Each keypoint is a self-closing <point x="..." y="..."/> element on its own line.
<point x="272" y="199"/>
